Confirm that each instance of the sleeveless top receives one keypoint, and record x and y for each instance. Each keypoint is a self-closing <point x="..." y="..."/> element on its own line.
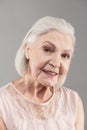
<point x="18" y="113"/>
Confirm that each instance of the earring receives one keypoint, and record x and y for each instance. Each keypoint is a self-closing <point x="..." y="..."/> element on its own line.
<point x="27" y="58"/>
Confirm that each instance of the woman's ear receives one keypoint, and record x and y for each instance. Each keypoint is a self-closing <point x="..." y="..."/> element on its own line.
<point x="26" y="51"/>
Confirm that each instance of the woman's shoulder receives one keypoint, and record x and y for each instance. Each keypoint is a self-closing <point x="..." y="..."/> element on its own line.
<point x="5" y="98"/>
<point x="4" y="86"/>
<point x="69" y="95"/>
<point x="3" y="89"/>
<point x="68" y="91"/>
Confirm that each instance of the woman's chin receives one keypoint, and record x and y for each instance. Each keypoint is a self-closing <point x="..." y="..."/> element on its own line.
<point x="47" y="82"/>
<point x="51" y="82"/>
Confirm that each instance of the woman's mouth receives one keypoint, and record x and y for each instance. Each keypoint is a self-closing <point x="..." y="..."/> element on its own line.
<point x="49" y="73"/>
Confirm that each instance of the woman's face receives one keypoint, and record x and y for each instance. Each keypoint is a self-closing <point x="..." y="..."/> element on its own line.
<point x="49" y="58"/>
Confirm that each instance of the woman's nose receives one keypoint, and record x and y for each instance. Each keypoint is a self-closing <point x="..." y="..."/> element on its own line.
<point x="55" y="61"/>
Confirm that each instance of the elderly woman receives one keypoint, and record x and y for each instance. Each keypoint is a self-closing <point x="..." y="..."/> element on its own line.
<point x="38" y="100"/>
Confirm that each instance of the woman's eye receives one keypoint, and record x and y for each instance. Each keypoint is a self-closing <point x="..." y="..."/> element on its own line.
<point x="66" y="56"/>
<point x="47" y="49"/>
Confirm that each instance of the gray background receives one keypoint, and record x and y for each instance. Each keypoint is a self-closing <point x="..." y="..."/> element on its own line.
<point x="17" y="16"/>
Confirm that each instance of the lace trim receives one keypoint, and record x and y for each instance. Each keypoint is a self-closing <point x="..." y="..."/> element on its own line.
<point x="42" y="112"/>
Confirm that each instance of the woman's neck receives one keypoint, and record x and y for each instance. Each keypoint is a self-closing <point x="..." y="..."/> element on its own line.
<point x="33" y="90"/>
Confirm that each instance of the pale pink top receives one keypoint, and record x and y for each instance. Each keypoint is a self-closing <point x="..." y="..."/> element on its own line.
<point x="18" y="113"/>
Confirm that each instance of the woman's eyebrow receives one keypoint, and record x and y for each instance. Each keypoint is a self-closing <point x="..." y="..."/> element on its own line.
<point x="49" y="43"/>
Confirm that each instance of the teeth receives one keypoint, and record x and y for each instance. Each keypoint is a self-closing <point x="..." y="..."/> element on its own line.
<point x="50" y="72"/>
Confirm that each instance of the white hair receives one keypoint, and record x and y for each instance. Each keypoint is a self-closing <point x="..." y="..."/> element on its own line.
<point x="42" y="26"/>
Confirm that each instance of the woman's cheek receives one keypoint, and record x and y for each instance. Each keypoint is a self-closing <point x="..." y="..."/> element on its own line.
<point x="65" y="69"/>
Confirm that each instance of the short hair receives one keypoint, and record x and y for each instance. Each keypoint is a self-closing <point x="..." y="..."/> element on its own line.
<point x="42" y="26"/>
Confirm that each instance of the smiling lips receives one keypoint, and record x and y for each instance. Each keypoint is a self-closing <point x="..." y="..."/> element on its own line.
<point x="50" y="73"/>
